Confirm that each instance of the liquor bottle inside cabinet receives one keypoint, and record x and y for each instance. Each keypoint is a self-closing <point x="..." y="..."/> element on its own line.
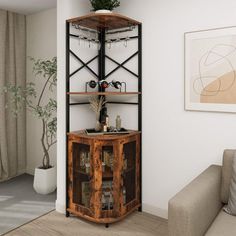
<point x="124" y="195"/>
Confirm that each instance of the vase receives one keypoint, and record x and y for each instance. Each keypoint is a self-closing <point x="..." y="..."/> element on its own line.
<point x="103" y="11"/>
<point x="97" y="125"/>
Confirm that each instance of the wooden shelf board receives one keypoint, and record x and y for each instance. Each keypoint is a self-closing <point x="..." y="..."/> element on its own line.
<point x="107" y="174"/>
<point x="81" y="172"/>
<point x="103" y="93"/>
<point x="82" y="134"/>
<point x="108" y="21"/>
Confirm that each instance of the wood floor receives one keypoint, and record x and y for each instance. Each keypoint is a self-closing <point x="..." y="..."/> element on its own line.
<point x="55" y="224"/>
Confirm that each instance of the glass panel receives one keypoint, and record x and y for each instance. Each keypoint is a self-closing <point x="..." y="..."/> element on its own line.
<point x="81" y="174"/>
<point x="129" y="168"/>
<point x="107" y="177"/>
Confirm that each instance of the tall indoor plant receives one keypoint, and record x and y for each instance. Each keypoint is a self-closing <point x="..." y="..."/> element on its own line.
<point x="45" y="110"/>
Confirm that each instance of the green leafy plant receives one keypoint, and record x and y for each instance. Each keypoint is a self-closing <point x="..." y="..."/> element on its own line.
<point x="20" y="97"/>
<point x="104" y="4"/>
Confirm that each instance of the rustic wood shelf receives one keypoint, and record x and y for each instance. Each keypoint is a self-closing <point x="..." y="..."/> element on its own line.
<point x="107" y="174"/>
<point x="82" y="134"/>
<point x="81" y="172"/>
<point x="107" y="21"/>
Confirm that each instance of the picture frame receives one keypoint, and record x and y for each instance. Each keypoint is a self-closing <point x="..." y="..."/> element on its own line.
<point x="210" y="70"/>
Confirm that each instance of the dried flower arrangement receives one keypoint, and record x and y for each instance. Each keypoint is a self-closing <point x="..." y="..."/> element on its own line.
<point x="96" y="104"/>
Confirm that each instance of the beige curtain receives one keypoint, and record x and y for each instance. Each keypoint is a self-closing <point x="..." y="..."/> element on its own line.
<point x="13" y="71"/>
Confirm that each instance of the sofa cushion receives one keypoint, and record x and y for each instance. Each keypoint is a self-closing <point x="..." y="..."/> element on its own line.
<point x="223" y="225"/>
<point x="231" y="207"/>
<point x="226" y="174"/>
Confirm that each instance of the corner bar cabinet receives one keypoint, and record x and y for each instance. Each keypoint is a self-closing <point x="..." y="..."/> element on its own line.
<point x="103" y="172"/>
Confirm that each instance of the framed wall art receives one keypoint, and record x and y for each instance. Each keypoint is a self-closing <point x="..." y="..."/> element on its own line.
<point x="210" y="70"/>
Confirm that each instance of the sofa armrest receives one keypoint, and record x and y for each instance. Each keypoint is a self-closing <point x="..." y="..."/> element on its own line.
<point x="193" y="209"/>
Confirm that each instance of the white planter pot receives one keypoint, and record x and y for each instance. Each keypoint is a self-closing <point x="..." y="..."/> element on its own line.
<point x="103" y="11"/>
<point x="45" y="180"/>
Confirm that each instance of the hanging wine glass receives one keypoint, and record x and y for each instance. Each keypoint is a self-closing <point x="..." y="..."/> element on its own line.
<point x="126" y="41"/>
<point x="109" y="43"/>
<point x="79" y="37"/>
<point x="93" y="39"/>
<point x="89" y="38"/>
<point x="79" y="40"/>
<point x="117" y="41"/>
<point x="99" y="45"/>
<point x="97" y="42"/>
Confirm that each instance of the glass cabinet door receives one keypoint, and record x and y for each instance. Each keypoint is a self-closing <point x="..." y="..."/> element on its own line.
<point x="129" y="172"/>
<point x="107" y="199"/>
<point x="81" y="174"/>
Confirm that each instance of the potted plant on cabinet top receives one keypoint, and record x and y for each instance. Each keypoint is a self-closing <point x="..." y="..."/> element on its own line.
<point x="44" y="109"/>
<point x="104" y="6"/>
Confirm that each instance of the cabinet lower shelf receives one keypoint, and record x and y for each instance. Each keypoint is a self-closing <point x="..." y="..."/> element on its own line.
<point x="106" y="174"/>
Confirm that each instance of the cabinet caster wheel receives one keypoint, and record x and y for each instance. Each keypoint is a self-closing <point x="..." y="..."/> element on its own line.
<point x="67" y="214"/>
<point x="107" y="225"/>
<point x="140" y="209"/>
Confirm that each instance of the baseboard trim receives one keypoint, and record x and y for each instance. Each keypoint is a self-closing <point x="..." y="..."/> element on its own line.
<point x="30" y="171"/>
<point x="21" y="172"/>
<point x="60" y="207"/>
<point x="155" y="211"/>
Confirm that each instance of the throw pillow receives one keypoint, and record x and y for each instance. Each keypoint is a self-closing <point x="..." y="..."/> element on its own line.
<point x="231" y="207"/>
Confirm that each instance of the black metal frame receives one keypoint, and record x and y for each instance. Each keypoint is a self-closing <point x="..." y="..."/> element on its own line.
<point x="102" y="76"/>
<point x="140" y="103"/>
<point x="67" y="107"/>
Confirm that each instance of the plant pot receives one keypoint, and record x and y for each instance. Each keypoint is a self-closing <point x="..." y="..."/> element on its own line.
<point x="45" y="180"/>
<point x="103" y="11"/>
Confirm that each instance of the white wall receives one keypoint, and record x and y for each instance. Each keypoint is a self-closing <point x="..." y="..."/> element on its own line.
<point x="177" y="145"/>
<point x="41" y="44"/>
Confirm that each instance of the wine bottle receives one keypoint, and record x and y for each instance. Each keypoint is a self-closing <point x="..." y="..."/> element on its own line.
<point x="105" y="120"/>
